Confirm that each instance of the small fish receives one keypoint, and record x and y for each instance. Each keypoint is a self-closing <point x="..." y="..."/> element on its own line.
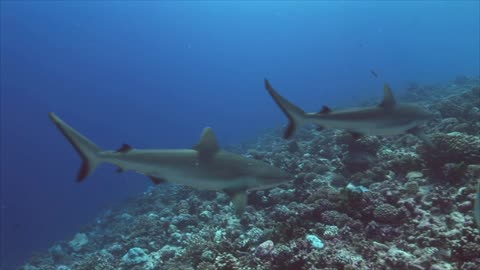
<point x="206" y="166"/>
<point x="374" y="73"/>
<point x="387" y="118"/>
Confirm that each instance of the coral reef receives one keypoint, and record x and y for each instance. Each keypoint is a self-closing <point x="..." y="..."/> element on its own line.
<point x="396" y="202"/>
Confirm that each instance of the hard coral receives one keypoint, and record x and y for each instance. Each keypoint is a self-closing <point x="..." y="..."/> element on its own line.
<point x="452" y="147"/>
<point x="386" y="213"/>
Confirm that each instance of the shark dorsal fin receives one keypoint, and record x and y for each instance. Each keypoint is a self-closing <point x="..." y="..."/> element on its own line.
<point x="388" y="101"/>
<point x="207" y="147"/>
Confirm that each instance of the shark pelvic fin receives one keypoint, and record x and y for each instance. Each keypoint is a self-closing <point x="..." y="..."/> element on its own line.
<point x="388" y="101"/>
<point x="239" y="200"/>
<point x="207" y="147"/>
<point x="124" y="148"/>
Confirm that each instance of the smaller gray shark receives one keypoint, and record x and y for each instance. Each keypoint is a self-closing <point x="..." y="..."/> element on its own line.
<point x="205" y="166"/>
<point x="388" y="118"/>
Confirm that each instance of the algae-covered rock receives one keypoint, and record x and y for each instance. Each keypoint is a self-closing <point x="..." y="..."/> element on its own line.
<point x="454" y="147"/>
<point x="135" y="256"/>
<point x="78" y="242"/>
<point x="386" y="213"/>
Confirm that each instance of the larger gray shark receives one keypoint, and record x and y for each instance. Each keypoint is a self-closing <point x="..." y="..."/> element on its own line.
<point x="205" y="166"/>
<point x="388" y="118"/>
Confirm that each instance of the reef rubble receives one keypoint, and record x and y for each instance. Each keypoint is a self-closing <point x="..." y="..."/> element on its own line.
<point x="369" y="203"/>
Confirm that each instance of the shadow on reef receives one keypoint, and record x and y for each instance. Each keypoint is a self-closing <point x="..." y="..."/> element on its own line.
<point x="372" y="203"/>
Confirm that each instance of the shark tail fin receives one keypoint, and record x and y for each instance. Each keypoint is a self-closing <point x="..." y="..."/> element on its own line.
<point x="87" y="150"/>
<point x="296" y="116"/>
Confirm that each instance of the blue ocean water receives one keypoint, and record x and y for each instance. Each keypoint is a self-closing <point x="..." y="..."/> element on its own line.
<point x="153" y="74"/>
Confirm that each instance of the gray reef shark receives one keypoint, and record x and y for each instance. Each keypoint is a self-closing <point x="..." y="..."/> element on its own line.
<point x="388" y="118"/>
<point x="205" y="166"/>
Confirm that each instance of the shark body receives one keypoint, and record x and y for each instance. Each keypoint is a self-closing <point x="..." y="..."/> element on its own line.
<point x="388" y="118"/>
<point x="205" y="166"/>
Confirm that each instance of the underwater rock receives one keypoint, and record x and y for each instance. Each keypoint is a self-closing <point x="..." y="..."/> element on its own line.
<point x="358" y="161"/>
<point x="411" y="187"/>
<point x="314" y="241"/>
<point x="134" y="256"/>
<point x="335" y="218"/>
<point x="402" y="160"/>
<point x="343" y="258"/>
<point x="168" y="252"/>
<point x="205" y="215"/>
<point x="470" y="251"/>
<point x="338" y="180"/>
<point x="78" y="242"/>
<point x="356" y="189"/>
<point x="386" y="213"/>
<point x="277" y="195"/>
<point x="398" y="258"/>
<point x="264" y="249"/>
<point x="226" y="261"/>
<point x="454" y="147"/>
<point x="414" y="176"/>
<point x="57" y="252"/>
<point x="366" y="144"/>
<point x="184" y="220"/>
<point x="330" y="232"/>
<point x="208" y="255"/>
<point x="442" y="266"/>
<point x="293" y="147"/>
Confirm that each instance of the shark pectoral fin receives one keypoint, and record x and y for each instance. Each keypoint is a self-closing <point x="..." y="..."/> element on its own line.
<point x="207" y="147"/>
<point x="388" y="101"/>
<point x="157" y="180"/>
<point x="239" y="200"/>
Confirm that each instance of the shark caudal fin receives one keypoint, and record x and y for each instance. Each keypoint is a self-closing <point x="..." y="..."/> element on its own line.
<point x="87" y="150"/>
<point x="295" y="115"/>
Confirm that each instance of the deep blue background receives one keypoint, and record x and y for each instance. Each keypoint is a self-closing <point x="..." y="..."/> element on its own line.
<point x="154" y="74"/>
